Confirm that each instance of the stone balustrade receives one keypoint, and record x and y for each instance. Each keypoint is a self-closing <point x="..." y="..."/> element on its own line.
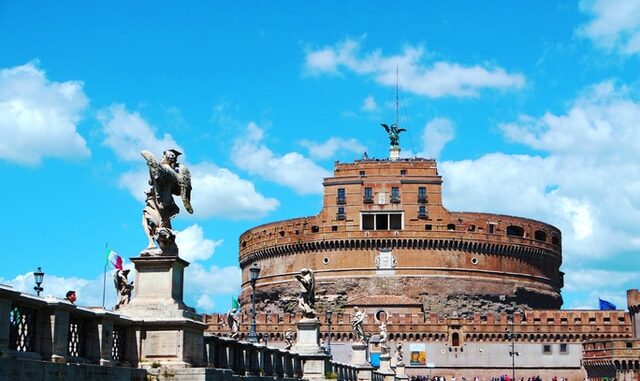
<point x="247" y="359"/>
<point x="48" y="329"/>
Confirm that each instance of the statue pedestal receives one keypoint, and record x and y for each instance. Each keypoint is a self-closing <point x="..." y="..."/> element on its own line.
<point x="359" y="361"/>
<point x="308" y="346"/>
<point x="171" y="333"/>
<point x="385" y="368"/>
<point x="394" y="153"/>
<point x="308" y="341"/>
<point x="400" y="374"/>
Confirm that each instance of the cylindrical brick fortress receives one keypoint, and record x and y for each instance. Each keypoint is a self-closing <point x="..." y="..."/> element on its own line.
<point x="384" y="231"/>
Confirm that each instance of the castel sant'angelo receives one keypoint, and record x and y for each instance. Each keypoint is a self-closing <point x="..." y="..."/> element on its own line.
<point x="476" y="293"/>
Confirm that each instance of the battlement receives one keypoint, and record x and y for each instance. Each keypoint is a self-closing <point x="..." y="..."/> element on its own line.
<point x="532" y="326"/>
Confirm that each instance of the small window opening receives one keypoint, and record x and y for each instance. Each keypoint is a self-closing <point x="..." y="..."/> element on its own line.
<point x="334" y="228"/>
<point x="515" y="231"/>
<point x="315" y="229"/>
<point x="563" y="348"/>
<point x="492" y="228"/>
<point x="451" y="227"/>
<point x="428" y="227"/>
<point x="540" y="235"/>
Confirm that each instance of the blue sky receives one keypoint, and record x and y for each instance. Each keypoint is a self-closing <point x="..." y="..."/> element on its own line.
<point x="531" y="108"/>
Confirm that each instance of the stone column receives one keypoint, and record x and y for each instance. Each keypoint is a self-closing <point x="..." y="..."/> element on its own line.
<point x="359" y="360"/>
<point x="59" y="323"/>
<point x="105" y="331"/>
<point x="308" y="346"/>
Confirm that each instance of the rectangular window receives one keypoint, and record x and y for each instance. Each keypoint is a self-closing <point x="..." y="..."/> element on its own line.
<point x="428" y="227"/>
<point x="395" y="194"/>
<point x="367" y="221"/>
<point x="368" y="195"/>
<point x="395" y="221"/>
<point x="340" y="215"/>
<point x="492" y="228"/>
<point x="403" y="172"/>
<point x="381" y="221"/>
<point x="422" y="194"/>
<point x="341" y="199"/>
<point x="422" y="211"/>
<point x="546" y="349"/>
<point x="564" y="348"/>
<point x="361" y="173"/>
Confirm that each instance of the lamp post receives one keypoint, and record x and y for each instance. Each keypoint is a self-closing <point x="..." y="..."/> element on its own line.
<point x="328" y="314"/>
<point x="511" y="335"/>
<point x="39" y="276"/>
<point x="254" y="274"/>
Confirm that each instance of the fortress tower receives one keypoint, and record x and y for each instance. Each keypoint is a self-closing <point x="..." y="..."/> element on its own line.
<point x="383" y="232"/>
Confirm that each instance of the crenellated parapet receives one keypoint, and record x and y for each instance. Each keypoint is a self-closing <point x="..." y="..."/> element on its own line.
<point x="568" y="326"/>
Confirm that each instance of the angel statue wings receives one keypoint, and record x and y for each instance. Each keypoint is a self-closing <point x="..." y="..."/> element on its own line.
<point x="307" y="298"/>
<point x="394" y="133"/>
<point x="167" y="177"/>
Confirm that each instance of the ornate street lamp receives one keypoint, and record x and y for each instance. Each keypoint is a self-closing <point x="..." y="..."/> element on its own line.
<point x="39" y="276"/>
<point x="255" y="273"/>
<point x="511" y="335"/>
<point x="327" y="316"/>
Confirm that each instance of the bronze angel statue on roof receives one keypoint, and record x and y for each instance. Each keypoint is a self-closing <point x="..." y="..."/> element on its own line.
<point x="394" y="133"/>
<point x="167" y="177"/>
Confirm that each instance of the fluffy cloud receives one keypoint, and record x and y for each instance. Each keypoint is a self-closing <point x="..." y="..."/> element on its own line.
<point x="438" y="79"/>
<point x="193" y="246"/>
<point x="88" y="291"/>
<point x="329" y="148"/>
<point x="219" y="192"/>
<point x="588" y="183"/>
<point x="369" y="104"/>
<point x="292" y="169"/>
<point x="127" y="133"/>
<point x="615" y="25"/>
<point x="437" y="133"/>
<point x="39" y="118"/>
<point x="206" y="282"/>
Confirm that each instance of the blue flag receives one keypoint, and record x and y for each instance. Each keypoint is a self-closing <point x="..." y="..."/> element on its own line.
<point x="606" y="306"/>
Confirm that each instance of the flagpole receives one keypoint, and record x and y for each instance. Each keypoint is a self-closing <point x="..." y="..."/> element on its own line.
<point x="104" y="276"/>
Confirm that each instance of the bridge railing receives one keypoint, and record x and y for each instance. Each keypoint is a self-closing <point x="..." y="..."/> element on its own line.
<point x="248" y="359"/>
<point x="55" y="330"/>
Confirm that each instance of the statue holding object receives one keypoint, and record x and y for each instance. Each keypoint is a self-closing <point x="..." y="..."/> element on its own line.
<point x="307" y="298"/>
<point x="123" y="287"/>
<point x="394" y="134"/>
<point x="167" y="177"/>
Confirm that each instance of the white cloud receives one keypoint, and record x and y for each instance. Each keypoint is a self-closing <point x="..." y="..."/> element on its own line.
<point x="88" y="291"/>
<point x="438" y="79"/>
<point x="615" y="25"/>
<point x="217" y="192"/>
<point x="127" y="133"/>
<point x="329" y="148"/>
<point x="193" y="246"/>
<point x="590" y="279"/>
<point x="369" y="104"/>
<point x="588" y="184"/>
<point x="292" y="169"/>
<point x="39" y="118"/>
<point x="437" y="133"/>
<point x="202" y="283"/>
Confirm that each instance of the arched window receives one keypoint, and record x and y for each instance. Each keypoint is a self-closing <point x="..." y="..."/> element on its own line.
<point x="540" y="235"/>
<point x="455" y="339"/>
<point x="555" y="240"/>
<point x="515" y="231"/>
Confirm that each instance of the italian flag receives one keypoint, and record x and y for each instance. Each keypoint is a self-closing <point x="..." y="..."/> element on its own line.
<point x="113" y="258"/>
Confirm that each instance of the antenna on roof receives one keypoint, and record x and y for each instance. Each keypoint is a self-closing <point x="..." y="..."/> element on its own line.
<point x="397" y="81"/>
